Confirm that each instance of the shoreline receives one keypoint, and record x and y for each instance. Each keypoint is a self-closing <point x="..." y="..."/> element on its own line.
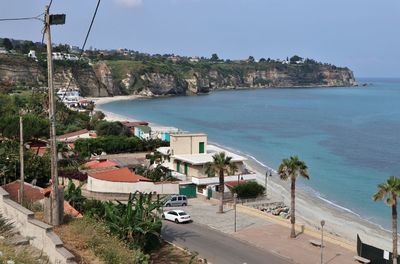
<point x="310" y="207"/>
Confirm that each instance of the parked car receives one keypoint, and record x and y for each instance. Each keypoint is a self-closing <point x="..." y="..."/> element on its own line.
<point x="178" y="216"/>
<point x="176" y="200"/>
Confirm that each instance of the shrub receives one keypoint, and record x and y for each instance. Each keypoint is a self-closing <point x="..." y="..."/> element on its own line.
<point x="249" y="190"/>
<point x="116" y="144"/>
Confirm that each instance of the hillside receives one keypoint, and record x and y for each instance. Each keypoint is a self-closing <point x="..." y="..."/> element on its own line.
<point x="109" y="75"/>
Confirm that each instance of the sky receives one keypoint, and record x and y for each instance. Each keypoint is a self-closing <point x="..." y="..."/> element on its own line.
<point x="363" y="35"/>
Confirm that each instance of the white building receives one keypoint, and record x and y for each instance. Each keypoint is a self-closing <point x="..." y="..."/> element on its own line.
<point x="188" y="155"/>
<point x="32" y="54"/>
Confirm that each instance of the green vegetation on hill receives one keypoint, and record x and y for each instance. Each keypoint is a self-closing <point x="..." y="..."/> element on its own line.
<point x="129" y="72"/>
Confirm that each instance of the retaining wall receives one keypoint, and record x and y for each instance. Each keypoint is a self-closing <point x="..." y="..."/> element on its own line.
<point x="40" y="235"/>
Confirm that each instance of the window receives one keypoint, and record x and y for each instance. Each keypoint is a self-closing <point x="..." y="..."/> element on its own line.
<point x="173" y="199"/>
<point x="201" y="147"/>
<point x="178" y="166"/>
<point x="185" y="168"/>
<point x="179" y="198"/>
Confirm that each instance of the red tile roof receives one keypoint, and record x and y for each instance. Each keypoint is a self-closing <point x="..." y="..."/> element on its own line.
<point x="39" y="150"/>
<point x="118" y="175"/>
<point x="69" y="210"/>
<point x="232" y="184"/>
<point x="97" y="164"/>
<point x="73" y="134"/>
<point x="31" y="193"/>
<point x="134" y="124"/>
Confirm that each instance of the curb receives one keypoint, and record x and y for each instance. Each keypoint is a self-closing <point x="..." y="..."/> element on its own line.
<point x="187" y="251"/>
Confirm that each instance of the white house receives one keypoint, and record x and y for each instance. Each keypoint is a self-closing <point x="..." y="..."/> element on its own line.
<point x="189" y="153"/>
<point x="32" y="54"/>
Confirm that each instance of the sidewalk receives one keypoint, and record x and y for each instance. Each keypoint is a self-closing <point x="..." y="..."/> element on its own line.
<point x="267" y="235"/>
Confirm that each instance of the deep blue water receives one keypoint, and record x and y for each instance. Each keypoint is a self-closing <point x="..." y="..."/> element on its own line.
<point x="349" y="137"/>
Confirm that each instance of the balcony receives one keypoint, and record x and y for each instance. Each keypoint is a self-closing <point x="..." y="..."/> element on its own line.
<point x="215" y="180"/>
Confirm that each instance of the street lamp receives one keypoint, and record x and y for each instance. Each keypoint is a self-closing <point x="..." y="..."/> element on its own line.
<point x="268" y="173"/>
<point x="162" y="185"/>
<point x="322" y="240"/>
<point x="234" y="207"/>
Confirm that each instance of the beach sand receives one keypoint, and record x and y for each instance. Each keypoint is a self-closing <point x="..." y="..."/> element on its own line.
<point x="310" y="209"/>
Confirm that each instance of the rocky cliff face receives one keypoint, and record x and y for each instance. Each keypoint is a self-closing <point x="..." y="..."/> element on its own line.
<point x="100" y="79"/>
<point x="24" y="73"/>
<point x="203" y="82"/>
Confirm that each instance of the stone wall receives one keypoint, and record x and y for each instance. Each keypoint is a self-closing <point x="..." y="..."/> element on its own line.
<point x="41" y="235"/>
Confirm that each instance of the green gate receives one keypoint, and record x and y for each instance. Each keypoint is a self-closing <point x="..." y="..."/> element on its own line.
<point x="188" y="189"/>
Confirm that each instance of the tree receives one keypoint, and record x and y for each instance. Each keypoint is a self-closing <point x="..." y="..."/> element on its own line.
<point x="390" y="190"/>
<point x="251" y="59"/>
<point x="221" y="164"/>
<point x="105" y="128"/>
<point x="73" y="194"/>
<point x="249" y="189"/>
<point x="290" y="169"/>
<point x="214" y="57"/>
<point x="295" y="59"/>
<point x="263" y="60"/>
<point x="7" y="44"/>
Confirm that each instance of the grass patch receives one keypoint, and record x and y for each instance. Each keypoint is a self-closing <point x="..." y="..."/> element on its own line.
<point x="19" y="255"/>
<point x="89" y="241"/>
<point x="169" y="254"/>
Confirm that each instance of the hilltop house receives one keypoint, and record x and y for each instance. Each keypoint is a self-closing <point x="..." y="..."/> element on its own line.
<point x="189" y="153"/>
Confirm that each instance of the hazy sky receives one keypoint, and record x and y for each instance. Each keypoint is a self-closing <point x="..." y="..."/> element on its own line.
<point x="363" y="35"/>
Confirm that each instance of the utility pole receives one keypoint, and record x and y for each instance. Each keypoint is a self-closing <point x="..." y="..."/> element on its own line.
<point x="21" y="159"/>
<point x="55" y="204"/>
<point x="234" y="207"/>
<point x="322" y="241"/>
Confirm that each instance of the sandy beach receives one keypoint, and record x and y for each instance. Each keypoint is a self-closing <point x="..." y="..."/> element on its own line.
<point x="310" y="209"/>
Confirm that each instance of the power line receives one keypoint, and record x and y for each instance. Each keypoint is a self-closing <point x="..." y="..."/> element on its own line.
<point x="90" y="27"/>
<point x="84" y="44"/>
<point x="22" y="18"/>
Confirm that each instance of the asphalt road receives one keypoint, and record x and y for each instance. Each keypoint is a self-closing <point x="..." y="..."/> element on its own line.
<point x="215" y="246"/>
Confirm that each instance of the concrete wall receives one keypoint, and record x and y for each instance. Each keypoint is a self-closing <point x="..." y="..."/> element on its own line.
<point x="95" y="185"/>
<point x="187" y="143"/>
<point x="43" y="237"/>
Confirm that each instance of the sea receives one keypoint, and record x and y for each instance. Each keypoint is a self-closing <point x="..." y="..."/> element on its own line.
<point x="348" y="136"/>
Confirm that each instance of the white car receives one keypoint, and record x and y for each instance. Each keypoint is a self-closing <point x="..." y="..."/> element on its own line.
<point x="178" y="216"/>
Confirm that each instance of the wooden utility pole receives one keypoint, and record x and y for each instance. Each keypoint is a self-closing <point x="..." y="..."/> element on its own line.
<point x="21" y="159"/>
<point x="55" y="204"/>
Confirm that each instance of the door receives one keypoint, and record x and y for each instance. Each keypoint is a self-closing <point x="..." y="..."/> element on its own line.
<point x="178" y="166"/>
<point x="201" y="147"/>
<point x="188" y="189"/>
<point x="185" y="168"/>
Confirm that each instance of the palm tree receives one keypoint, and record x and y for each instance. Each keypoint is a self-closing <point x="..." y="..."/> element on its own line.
<point x="390" y="190"/>
<point x="292" y="168"/>
<point x="221" y="164"/>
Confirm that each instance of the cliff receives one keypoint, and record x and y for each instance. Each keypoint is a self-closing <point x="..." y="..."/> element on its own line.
<point x="157" y="78"/>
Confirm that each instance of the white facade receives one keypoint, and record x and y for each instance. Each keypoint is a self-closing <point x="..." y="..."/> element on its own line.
<point x="96" y="185"/>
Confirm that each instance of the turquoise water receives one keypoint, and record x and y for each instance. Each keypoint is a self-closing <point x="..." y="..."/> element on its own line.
<point x="349" y="137"/>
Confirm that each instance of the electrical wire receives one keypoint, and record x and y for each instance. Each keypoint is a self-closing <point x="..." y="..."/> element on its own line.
<point x="22" y="18"/>
<point x="84" y="44"/>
